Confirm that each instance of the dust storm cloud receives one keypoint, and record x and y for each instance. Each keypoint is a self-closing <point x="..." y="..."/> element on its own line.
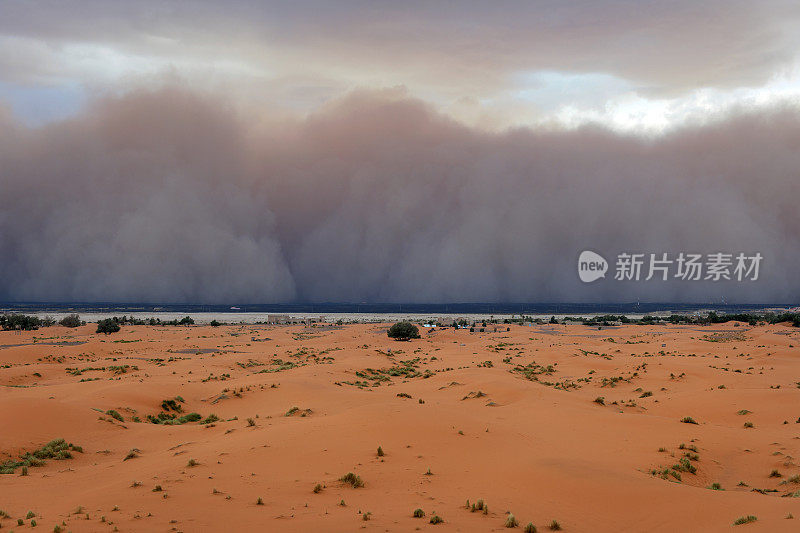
<point x="171" y="196"/>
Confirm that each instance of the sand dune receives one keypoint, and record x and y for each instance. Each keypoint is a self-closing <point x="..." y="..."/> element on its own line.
<point x="509" y="417"/>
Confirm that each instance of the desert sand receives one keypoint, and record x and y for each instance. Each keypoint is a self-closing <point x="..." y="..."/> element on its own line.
<point x="508" y="417"/>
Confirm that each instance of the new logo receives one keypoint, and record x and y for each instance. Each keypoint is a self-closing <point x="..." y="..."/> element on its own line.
<point x="591" y="266"/>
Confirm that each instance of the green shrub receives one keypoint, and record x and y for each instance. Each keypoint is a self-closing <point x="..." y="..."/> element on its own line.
<point x="107" y="326"/>
<point x="744" y="520"/>
<point x="71" y="321"/>
<point x="403" y="331"/>
<point x="419" y="513"/>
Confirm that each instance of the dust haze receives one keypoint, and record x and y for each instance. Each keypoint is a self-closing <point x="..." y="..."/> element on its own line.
<point x="171" y="196"/>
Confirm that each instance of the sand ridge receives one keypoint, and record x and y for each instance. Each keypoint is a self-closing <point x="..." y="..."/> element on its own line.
<point x="548" y="422"/>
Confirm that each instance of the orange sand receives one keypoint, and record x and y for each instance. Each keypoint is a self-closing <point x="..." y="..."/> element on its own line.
<point x="530" y="448"/>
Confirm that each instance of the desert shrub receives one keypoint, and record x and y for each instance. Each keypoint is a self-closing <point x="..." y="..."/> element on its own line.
<point x="71" y="321"/>
<point x="171" y="405"/>
<point x="436" y="519"/>
<point x="688" y="420"/>
<point x="115" y="415"/>
<point x="352" y="479"/>
<point x="191" y="417"/>
<point x="317" y="488"/>
<point x="419" y="513"/>
<point x="186" y="321"/>
<point x="554" y="526"/>
<point x="380" y="452"/>
<point x="214" y="323"/>
<point x="403" y="331"/>
<point x="511" y="521"/>
<point x="529" y="528"/>
<point x="20" y="322"/>
<point x="210" y="419"/>
<point x="744" y="520"/>
<point x="107" y="326"/>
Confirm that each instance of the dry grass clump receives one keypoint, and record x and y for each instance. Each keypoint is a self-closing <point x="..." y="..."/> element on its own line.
<point x="352" y="479"/>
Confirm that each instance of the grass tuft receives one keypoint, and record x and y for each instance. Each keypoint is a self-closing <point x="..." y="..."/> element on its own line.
<point x="352" y="479"/>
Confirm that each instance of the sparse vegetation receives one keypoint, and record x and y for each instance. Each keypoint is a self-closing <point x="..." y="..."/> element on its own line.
<point x="57" y="450"/>
<point x="744" y="520"/>
<point x="352" y="479"/>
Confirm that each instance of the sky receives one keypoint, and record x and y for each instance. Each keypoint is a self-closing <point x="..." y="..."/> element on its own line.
<point x="384" y="151"/>
<point x="631" y="66"/>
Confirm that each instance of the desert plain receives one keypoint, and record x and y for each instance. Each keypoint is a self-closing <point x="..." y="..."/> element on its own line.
<point x="629" y="428"/>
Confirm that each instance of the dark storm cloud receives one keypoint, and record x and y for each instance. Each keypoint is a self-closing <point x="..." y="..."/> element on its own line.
<point x="169" y="196"/>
